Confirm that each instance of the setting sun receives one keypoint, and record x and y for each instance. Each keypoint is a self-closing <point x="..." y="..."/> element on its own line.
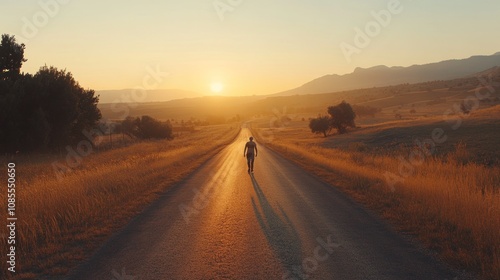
<point x="216" y="87"/>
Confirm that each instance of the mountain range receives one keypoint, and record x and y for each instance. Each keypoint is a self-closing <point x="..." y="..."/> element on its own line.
<point x="379" y="76"/>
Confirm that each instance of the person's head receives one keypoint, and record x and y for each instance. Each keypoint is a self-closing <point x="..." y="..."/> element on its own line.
<point x="251" y="138"/>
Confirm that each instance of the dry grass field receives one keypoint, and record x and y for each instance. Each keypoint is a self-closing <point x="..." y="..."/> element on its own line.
<point x="61" y="221"/>
<point x="449" y="196"/>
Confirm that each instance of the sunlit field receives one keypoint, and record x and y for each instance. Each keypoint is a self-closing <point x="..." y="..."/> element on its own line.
<point x="61" y="221"/>
<point x="311" y="140"/>
<point x="449" y="199"/>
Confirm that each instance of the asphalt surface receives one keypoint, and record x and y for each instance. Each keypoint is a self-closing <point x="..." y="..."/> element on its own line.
<point x="279" y="223"/>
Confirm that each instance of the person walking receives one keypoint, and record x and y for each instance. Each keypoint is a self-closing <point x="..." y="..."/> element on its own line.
<point x="250" y="152"/>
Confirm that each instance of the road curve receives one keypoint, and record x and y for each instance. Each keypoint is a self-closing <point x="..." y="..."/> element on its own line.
<point x="279" y="223"/>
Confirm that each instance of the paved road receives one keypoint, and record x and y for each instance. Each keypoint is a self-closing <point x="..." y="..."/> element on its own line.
<point x="280" y="223"/>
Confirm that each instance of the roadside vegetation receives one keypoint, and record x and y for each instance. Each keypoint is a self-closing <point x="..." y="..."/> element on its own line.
<point x="44" y="111"/>
<point x="449" y="199"/>
<point x="63" y="220"/>
<point x="146" y="127"/>
<point x="341" y="117"/>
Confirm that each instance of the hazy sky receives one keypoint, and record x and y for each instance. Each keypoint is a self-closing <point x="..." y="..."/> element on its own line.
<point x="249" y="47"/>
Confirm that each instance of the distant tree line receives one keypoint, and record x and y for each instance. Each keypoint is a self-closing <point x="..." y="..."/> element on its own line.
<point x="147" y="127"/>
<point x="340" y="117"/>
<point x="46" y="110"/>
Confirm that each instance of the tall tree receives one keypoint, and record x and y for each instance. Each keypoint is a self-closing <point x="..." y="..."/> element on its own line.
<point x="320" y="124"/>
<point x="88" y="115"/>
<point x="147" y="127"/>
<point x="11" y="57"/>
<point x="342" y="116"/>
<point x="49" y="109"/>
<point x="68" y="107"/>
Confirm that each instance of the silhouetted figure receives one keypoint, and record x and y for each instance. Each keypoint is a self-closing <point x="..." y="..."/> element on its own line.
<point x="250" y="152"/>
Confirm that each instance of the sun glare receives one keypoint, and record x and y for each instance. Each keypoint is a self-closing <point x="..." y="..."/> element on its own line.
<point x="216" y="87"/>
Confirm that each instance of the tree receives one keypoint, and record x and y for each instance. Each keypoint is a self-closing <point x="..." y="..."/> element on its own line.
<point x="147" y="127"/>
<point x="11" y="57"/>
<point x="88" y="115"/>
<point x="23" y="125"/>
<point x="129" y="126"/>
<point x="320" y="124"/>
<point x="342" y="116"/>
<point x="69" y="109"/>
<point x="47" y="110"/>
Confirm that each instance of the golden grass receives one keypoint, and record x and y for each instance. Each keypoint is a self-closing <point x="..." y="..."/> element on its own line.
<point x="62" y="221"/>
<point x="453" y="207"/>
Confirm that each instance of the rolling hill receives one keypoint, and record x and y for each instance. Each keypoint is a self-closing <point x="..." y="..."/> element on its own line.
<point x="427" y="98"/>
<point x="379" y="76"/>
<point x="430" y="86"/>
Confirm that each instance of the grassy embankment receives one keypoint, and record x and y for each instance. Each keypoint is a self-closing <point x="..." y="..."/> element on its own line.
<point x="450" y="201"/>
<point x="62" y="221"/>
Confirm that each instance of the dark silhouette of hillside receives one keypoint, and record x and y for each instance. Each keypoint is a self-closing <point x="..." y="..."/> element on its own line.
<point x="379" y="76"/>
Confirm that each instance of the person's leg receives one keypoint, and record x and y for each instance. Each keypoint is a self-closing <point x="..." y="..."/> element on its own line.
<point x="248" y="163"/>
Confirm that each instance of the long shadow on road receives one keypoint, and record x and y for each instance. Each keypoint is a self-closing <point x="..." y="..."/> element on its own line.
<point x="279" y="230"/>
